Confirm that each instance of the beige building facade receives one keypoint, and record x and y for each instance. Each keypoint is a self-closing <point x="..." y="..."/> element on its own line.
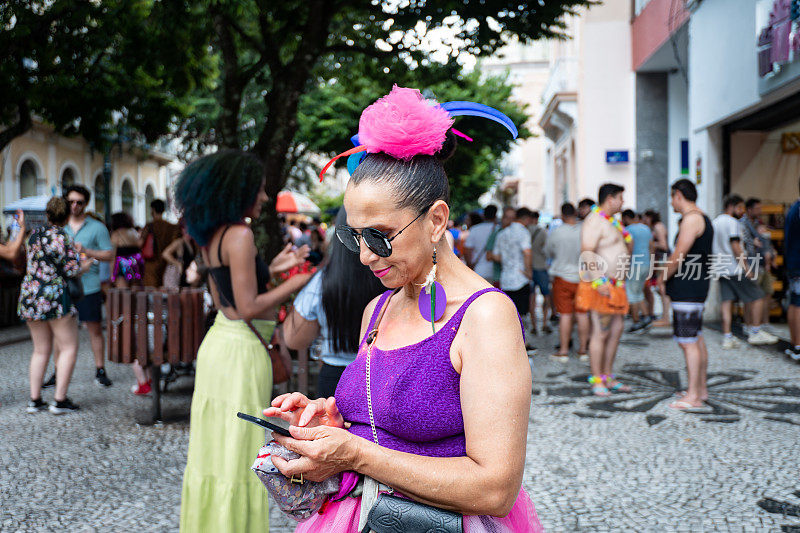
<point x="528" y="68"/>
<point x="588" y="108"/>
<point x="41" y="162"/>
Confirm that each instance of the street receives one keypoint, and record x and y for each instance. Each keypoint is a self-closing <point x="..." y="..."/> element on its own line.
<point x="623" y="463"/>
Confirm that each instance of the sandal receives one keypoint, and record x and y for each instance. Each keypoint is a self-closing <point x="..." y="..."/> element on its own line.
<point x="618" y="387"/>
<point x="598" y="386"/>
<point x="682" y="393"/>
<point x="689" y="408"/>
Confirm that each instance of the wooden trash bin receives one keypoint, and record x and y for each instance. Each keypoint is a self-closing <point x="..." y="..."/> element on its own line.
<point x="154" y="326"/>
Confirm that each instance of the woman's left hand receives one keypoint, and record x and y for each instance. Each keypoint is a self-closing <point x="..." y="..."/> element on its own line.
<point x="325" y="452"/>
<point x="288" y="258"/>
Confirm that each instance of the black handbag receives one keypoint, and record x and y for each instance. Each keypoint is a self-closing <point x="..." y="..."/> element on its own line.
<point x="74" y="288"/>
<point x="392" y="514"/>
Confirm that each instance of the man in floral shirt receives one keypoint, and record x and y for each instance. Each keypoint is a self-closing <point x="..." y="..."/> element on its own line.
<point x="512" y="249"/>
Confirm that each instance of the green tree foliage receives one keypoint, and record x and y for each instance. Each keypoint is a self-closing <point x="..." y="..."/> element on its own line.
<point x="271" y="54"/>
<point x="328" y="116"/>
<point x="82" y="65"/>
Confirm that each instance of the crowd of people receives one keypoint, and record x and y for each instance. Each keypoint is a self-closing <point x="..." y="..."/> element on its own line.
<point x="118" y="254"/>
<point x="629" y="263"/>
<point x="421" y="325"/>
<point x="597" y="263"/>
<point x="70" y="263"/>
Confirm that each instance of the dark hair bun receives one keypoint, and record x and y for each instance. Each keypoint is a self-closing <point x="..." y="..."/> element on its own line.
<point x="448" y="147"/>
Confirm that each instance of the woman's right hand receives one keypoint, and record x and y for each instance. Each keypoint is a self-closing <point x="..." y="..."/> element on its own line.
<point x="299" y="410"/>
<point x="288" y="258"/>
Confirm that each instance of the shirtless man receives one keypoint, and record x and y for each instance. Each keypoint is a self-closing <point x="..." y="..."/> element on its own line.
<point x="604" y="259"/>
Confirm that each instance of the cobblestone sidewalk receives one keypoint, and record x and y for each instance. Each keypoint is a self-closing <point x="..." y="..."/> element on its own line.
<point x="624" y="464"/>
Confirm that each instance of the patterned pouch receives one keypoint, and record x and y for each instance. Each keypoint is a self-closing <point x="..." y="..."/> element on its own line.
<point x="299" y="500"/>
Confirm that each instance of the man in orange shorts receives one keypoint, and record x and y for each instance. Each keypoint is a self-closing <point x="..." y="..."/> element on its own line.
<point x="564" y="248"/>
<point x="605" y="255"/>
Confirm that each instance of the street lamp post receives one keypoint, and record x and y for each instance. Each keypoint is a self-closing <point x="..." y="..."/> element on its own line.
<point x="107" y="186"/>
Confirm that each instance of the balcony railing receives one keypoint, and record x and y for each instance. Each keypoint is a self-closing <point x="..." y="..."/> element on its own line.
<point x="563" y="78"/>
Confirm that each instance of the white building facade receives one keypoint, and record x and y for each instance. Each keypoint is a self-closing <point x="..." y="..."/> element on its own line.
<point x="527" y="67"/>
<point x="588" y="108"/>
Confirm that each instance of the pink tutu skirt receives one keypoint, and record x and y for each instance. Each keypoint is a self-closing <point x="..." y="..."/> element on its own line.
<point x="343" y="517"/>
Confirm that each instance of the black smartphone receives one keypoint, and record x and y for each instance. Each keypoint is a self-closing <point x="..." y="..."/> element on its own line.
<point x="264" y="424"/>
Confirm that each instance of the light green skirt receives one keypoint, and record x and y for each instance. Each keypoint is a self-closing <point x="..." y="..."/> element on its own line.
<point x="220" y="492"/>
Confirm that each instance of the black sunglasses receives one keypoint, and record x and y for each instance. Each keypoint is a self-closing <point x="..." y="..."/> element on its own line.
<point x="376" y="240"/>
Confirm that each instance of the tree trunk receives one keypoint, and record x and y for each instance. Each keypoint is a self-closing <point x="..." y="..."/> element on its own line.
<point x="232" y="86"/>
<point x="23" y="124"/>
<point x="275" y="140"/>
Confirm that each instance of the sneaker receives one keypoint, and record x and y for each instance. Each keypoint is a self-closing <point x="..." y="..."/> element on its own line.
<point x="51" y="382"/>
<point x="66" y="406"/>
<point x="564" y="359"/>
<point x="793" y="353"/>
<point x="547" y="330"/>
<point x="101" y="378"/>
<point x="532" y="350"/>
<point x="554" y="319"/>
<point x="636" y="326"/>
<point x="142" y="389"/>
<point x="762" y="337"/>
<point x="729" y="343"/>
<point x="768" y="328"/>
<point x="36" y="406"/>
<point x="583" y="358"/>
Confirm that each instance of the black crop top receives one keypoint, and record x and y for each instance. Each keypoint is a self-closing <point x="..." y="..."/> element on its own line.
<point x="222" y="275"/>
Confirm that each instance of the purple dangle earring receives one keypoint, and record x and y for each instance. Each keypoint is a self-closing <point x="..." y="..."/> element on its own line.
<point x="432" y="298"/>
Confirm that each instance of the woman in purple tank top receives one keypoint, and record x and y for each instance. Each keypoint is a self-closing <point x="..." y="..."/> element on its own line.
<point x="449" y="388"/>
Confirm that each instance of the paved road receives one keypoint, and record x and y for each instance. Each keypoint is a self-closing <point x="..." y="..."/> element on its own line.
<point x="628" y="463"/>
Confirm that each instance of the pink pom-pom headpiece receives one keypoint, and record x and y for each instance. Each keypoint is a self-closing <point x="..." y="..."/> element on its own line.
<point x="404" y="124"/>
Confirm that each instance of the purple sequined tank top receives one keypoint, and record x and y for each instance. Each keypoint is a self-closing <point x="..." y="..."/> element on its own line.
<point x="415" y="392"/>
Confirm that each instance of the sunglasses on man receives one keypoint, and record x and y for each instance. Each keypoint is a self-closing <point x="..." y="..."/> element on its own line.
<point x="377" y="241"/>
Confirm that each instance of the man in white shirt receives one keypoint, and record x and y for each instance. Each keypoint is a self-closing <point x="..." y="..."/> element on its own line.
<point x="541" y="279"/>
<point x="735" y="282"/>
<point x="564" y="248"/>
<point x="479" y="241"/>
<point x="512" y="250"/>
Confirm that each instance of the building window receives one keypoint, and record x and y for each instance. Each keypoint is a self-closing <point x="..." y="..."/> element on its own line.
<point x="99" y="195"/>
<point x="149" y="196"/>
<point x="67" y="178"/>
<point x="28" y="179"/>
<point x="127" y="197"/>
